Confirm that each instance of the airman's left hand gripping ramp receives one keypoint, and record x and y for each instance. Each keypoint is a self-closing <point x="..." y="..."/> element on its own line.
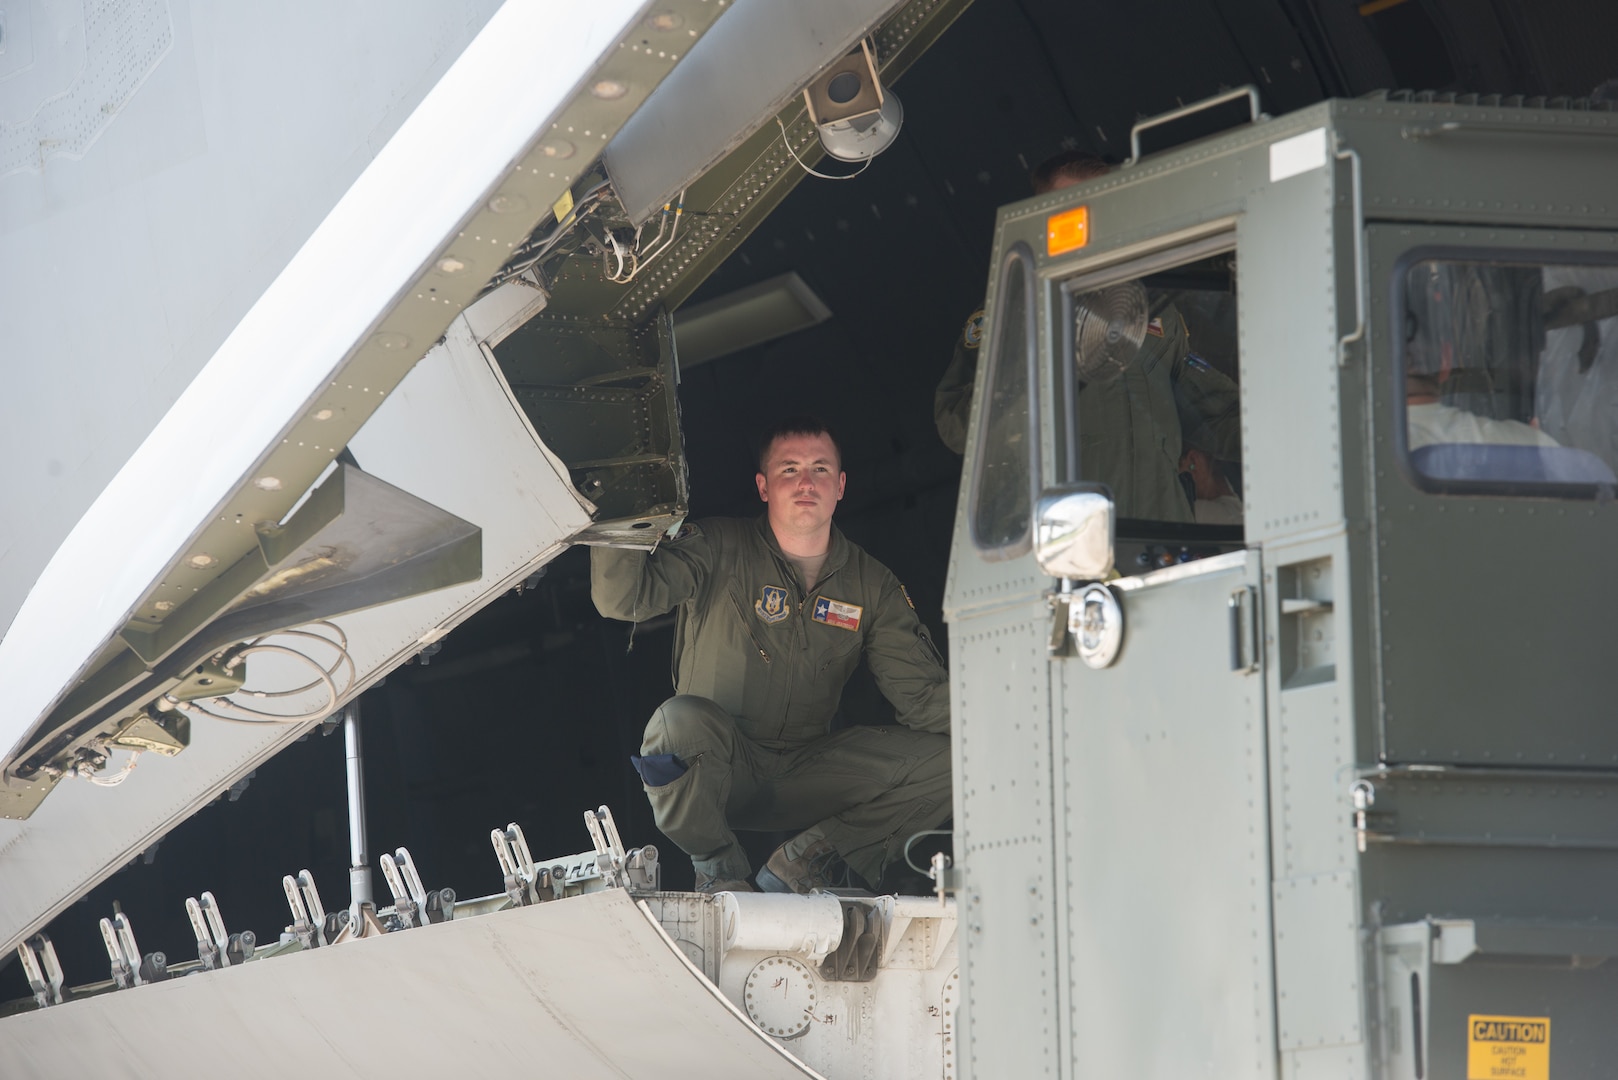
<point x="589" y="987"/>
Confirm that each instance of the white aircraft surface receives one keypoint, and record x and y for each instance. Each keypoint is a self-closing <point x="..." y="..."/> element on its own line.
<point x="238" y="242"/>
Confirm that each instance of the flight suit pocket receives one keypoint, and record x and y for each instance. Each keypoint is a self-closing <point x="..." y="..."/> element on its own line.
<point x="756" y="675"/>
<point x="660" y="794"/>
<point x="840" y="657"/>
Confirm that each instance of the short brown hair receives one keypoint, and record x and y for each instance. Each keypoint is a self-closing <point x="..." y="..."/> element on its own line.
<point x="801" y="424"/>
<point x="1069" y="165"/>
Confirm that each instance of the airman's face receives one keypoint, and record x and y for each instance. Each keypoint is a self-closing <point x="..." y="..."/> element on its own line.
<point x="802" y="483"/>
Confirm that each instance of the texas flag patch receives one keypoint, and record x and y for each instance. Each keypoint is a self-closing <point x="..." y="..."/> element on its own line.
<point x="836" y="613"/>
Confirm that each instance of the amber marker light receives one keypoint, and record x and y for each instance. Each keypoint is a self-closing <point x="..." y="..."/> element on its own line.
<point x="1067" y="231"/>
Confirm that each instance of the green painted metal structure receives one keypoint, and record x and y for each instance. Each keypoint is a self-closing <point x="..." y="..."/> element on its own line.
<point x="1348" y="786"/>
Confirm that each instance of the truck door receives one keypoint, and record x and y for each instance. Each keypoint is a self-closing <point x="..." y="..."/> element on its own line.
<point x="1116" y="893"/>
<point x="1162" y="834"/>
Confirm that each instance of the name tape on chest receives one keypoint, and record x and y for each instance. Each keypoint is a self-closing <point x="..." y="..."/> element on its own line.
<point x="836" y="613"/>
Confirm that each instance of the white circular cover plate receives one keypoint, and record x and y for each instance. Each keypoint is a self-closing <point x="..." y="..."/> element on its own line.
<point x="780" y="995"/>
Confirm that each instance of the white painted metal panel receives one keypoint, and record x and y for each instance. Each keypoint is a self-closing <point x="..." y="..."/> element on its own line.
<point x="480" y="117"/>
<point x="451" y="434"/>
<point x="182" y="155"/>
<point x="583" y="987"/>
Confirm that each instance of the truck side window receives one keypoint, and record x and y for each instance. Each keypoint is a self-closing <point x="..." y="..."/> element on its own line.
<point x="1151" y="358"/>
<point x="1508" y="375"/>
<point x="1003" y="480"/>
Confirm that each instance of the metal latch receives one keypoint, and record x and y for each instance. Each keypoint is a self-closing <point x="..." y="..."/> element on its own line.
<point x="129" y="968"/>
<point x="312" y="925"/>
<point x="1364" y="795"/>
<point x="44" y="972"/>
<point x="412" y="903"/>
<point x="946" y="879"/>
<point x="215" y="948"/>
<point x="637" y="870"/>
<point x="525" y="883"/>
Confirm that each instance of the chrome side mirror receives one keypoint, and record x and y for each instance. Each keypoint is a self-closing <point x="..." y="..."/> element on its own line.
<point x="1073" y="532"/>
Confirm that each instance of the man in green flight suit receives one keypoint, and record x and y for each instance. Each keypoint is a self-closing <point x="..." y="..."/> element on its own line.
<point x="952" y="401"/>
<point x="774" y="616"/>
<point x="1133" y="428"/>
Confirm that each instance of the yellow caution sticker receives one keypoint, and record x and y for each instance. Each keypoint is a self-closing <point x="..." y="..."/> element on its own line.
<point x="1508" y="1048"/>
<point x="563" y="207"/>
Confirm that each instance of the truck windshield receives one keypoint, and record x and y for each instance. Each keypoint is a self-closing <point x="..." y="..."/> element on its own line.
<point x="1508" y="376"/>
<point x="1153" y="371"/>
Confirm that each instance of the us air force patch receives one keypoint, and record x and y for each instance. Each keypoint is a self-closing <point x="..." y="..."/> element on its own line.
<point x="686" y="531"/>
<point x="836" y="613"/>
<point x="972" y="333"/>
<point x="772" y="605"/>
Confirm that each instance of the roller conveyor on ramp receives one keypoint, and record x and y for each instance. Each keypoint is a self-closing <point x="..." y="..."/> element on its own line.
<point x="589" y="987"/>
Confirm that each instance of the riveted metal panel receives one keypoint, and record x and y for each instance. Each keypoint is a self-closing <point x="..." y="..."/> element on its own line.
<point x="1536" y="167"/>
<point x="603" y="399"/>
<point x="1325" y="1063"/>
<point x="1317" y="961"/>
<point x="1314" y="766"/>
<point x="1474" y="673"/>
<point x="1163" y="842"/>
<point x="1287" y="291"/>
<point x="1313" y="744"/>
<point x="1000" y="682"/>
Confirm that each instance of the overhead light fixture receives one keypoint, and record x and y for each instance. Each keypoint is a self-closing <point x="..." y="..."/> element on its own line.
<point x="854" y="116"/>
<point x="749" y="316"/>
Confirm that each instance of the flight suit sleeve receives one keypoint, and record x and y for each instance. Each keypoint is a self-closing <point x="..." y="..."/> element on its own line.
<point x="637" y="585"/>
<point x="952" y="401"/>
<point x="1208" y="402"/>
<point x="906" y="664"/>
<point x="1209" y="405"/>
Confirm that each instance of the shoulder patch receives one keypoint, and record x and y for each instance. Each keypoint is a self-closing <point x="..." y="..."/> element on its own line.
<point x="771" y="605"/>
<point x="686" y="531"/>
<point x="837" y="613"/>
<point x="906" y="594"/>
<point x="972" y="332"/>
<point x="1155" y="328"/>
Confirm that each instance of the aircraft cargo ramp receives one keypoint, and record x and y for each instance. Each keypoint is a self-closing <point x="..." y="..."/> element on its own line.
<point x="587" y="987"/>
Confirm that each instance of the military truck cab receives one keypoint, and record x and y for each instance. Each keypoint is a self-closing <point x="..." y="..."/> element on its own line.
<point x="1324" y="789"/>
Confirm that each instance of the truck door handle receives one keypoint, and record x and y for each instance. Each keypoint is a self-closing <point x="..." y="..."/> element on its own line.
<point x="1244" y="630"/>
